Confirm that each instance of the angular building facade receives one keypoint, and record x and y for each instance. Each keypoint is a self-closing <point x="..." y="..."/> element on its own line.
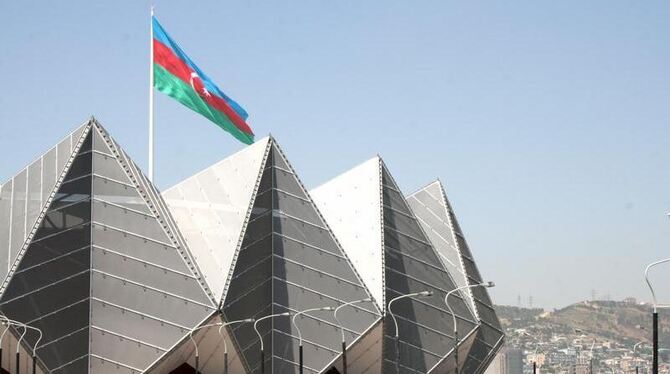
<point x="121" y="278"/>
<point x="94" y="261"/>
<point x="398" y="253"/>
<point x="437" y="218"/>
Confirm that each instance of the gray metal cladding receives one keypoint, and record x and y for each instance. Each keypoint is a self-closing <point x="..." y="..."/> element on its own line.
<point x="49" y="288"/>
<point x="438" y="220"/>
<point x="91" y="254"/>
<point x="143" y="291"/>
<point x="104" y="274"/>
<point x="289" y="261"/>
<point x="411" y="265"/>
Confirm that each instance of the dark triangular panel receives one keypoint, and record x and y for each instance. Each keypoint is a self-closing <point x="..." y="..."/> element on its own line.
<point x="290" y="261"/>
<point x="24" y="197"/>
<point x="104" y="274"/>
<point x="146" y="294"/>
<point x="49" y="289"/>
<point x="438" y="219"/>
<point x="411" y="265"/>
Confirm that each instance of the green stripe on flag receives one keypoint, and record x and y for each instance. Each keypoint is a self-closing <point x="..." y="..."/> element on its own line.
<point x="185" y="94"/>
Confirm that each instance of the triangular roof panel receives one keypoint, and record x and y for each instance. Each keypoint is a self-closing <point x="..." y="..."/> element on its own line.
<point x="106" y="275"/>
<point x="359" y="228"/>
<point x="25" y="195"/>
<point x="404" y="255"/>
<point x="290" y="261"/>
<point x="211" y="207"/>
<point x="439" y="221"/>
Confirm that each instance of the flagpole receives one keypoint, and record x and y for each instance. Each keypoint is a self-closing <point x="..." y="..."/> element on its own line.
<point x="151" y="99"/>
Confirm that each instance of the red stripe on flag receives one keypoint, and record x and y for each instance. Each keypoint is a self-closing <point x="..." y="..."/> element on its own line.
<point x="165" y="57"/>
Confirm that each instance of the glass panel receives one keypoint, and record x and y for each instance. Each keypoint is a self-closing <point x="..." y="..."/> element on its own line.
<point x="149" y="275"/>
<point x="130" y="221"/>
<point x="71" y="192"/>
<point x="300" y="298"/>
<point x="99" y="365"/>
<point x="491" y="337"/>
<point x="250" y="278"/>
<point x="295" y="207"/>
<point x="147" y="301"/>
<point x="123" y="350"/>
<point x="266" y="181"/>
<point x="419" y="336"/>
<point x="64" y="153"/>
<point x="5" y="203"/>
<point x="306" y="233"/>
<point x="262" y="204"/>
<point x="81" y="166"/>
<point x="86" y="145"/>
<point x="406" y="225"/>
<point x="62" y="323"/>
<point x="133" y="325"/>
<point x="398" y="284"/>
<point x="44" y="275"/>
<point x="48" y="300"/>
<point x="247" y="339"/>
<point x="18" y="213"/>
<point x="430" y="275"/>
<point x="314" y="280"/>
<point x="277" y="158"/>
<point x="99" y="143"/>
<point x="120" y="194"/>
<point x="49" y="173"/>
<point x="410" y="246"/>
<point x="109" y="167"/>
<point x="288" y="182"/>
<point x="56" y="245"/>
<point x="321" y="260"/>
<point x="257" y="229"/>
<point x="65" y="350"/>
<point x="286" y="347"/>
<point x="432" y="211"/>
<point x="250" y="255"/>
<point x="75" y="367"/>
<point x="317" y="327"/>
<point x="34" y="193"/>
<point x="67" y="217"/>
<point x="135" y="246"/>
<point x="410" y="357"/>
<point x="395" y="200"/>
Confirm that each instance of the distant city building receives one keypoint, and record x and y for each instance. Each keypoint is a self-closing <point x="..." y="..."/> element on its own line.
<point x="513" y="361"/>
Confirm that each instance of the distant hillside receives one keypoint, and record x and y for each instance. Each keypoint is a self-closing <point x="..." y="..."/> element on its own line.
<point x="623" y="321"/>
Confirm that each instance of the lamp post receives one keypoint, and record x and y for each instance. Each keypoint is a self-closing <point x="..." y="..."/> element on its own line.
<point x="654" y="315"/>
<point x="225" y="345"/>
<point x="344" y="344"/>
<point x="18" y="348"/>
<point x="453" y="315"/>
<point x="260" y="337"/>
<point x="298" y="329"/>
<point x="593" y="344"/>
<point x="37" y="342"/>
<point x="6" y="322"/>
<point x="195" y="344"/>
<point x="395" y="323"/>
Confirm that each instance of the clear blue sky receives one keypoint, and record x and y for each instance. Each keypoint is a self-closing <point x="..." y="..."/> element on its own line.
<point x="547" y="120"/>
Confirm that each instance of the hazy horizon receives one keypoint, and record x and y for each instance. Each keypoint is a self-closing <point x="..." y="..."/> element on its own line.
<point x="547" y="122"/>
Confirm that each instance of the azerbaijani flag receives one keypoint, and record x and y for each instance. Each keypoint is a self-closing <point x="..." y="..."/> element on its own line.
<point x="178" y="77"/>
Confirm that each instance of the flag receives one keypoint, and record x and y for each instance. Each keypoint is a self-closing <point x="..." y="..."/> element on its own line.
<point x="178" y="77"/>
